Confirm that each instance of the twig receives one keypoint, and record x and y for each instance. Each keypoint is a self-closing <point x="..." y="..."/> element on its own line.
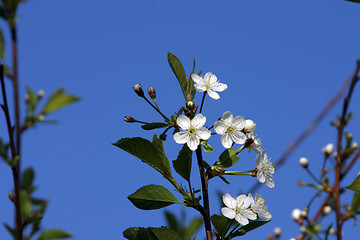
<point x="204" y="185"/>
<point x="337" y="97"/>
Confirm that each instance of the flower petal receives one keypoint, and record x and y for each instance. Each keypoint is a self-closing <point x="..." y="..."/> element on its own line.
<point x="270" y="182"/>
<point x="203" y="133"/>
<point x="227" y="115"/>
<point x="261" y="177"/>
<point x="181" y="137"/>
<point x="229" y="201"/>
<point x="227" y="212"/>
<point x="238" y="137"/>
<point x="241" y="219"/>
<point x="220" y="127"/>
<point x="213" y="95"/>
<point x="238" y="122"/>
<point x="183" y="122"/>
<point x="226" y="140"/>
<point x="219" y="87"/>
<point x="200" y="87"/>
<point x="193" y="142"/>
<point x="249" y="214"/>
<point x="207" y="77"/>
<point x="197" y="79"/>
<point x="198" y="121"/>
<point x="212" y="79"/>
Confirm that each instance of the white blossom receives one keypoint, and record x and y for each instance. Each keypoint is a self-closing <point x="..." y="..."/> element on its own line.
<point x="238" y="208"/>
<point x="193" y="131"/>
<point x="209" y="83"/>
<point x="230" y="128"/>
<point x="327" y="209"/>
<point x="277" y="231"/>
<point x="265" y="169"/>
<point x="258" y="207"/>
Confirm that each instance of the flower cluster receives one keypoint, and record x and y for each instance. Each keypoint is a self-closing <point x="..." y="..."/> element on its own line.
<point x="245" y="208"/>
<point x="233" y="130"/>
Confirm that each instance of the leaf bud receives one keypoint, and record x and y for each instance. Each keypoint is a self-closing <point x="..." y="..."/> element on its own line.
<point x="11" y="196"/>
<point x="304" y="162"/>
<point x="328" y="149"/>
<point x="277" y="232"/>
<point x="152" y="93"/>
<point x="138" y="90"/>
<point x="129" y="119"/>
<point x="27" y="98"/>
<point x="296" y="214"/>
<point x="249" y="126"/>
<point x="41" y="93"/>
<point x="174" y="118"/>
<point x="327" y="209"/>
<point x="40" y="117"/>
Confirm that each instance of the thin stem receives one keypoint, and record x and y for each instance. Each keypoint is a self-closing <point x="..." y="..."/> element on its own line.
<point x="240" y="149"/>
<point x="204" y="185"/>
<point x="202" y="101"/>
<point x="247" y="172"/>
<point x="313" y="176"/>
<point x="14" y="168"/>
<point x="156" y="109"/>
<point x="351" y="164"/>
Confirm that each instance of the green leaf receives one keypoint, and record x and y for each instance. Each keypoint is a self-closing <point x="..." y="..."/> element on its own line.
<point x="355" y="185"/>
<point x="355" y="205"/>
<point x="31" y="105"/>
<point x="27" y="180"/>
<point x="207" y="148"/>
<point x="251" y="226"/>
<point x="220" y="224"/>
<point x="171" y="220"/>
<point x="226" y="159"/>
<point x="152" y="197"/>
<point x="179" y="71"/>
<point x="182" y="164"/>
<point x="193" y="227"/>
<point x="164" y="233"/>
<point x="146" y="151"/>
<point x="151" y="126"/>
<point x="2" y="45"/>
<point x="25" y="203"/>
<point x="224" y="179"/>
<point x="53" y="234"/>
<point x="328" y="231"/>
<point x="136" y="233"/>
<point x="355" y="1"/>
<point x="159" y="146"/>
<point x="11" y="230"/>
<point x="58" y="100"/>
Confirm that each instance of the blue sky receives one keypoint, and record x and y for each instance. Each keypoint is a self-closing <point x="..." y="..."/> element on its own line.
<point x="282" y="60"/>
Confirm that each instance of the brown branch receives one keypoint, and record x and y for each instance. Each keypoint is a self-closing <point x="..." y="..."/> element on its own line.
<point x="204" y="185"/>
<point x="311" y="127"/>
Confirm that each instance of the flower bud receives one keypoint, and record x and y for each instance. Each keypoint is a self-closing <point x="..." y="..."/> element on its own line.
<point x="152" y="93"/>
<point x="303" y="229"/>
<point x="304" y="213"/>
<point x="304" y="162"/>
<point x="249" y="126"/>
<point x="129" y="119"/>
<point x="190" y="105"/>
<point x="138" y="90"/>
<point x="301" y="183"/>
<point x="11" y="196"/>
<point x="328" y="149"/>
<point x="332" y="231"/>
<point x="296" y="214"/>
<point x="327" y="209"/>
<point x="40" y="94"/>
<point x="354" y="145"/>
<point x="277" y="232"/>
<point x="27" y="98"/>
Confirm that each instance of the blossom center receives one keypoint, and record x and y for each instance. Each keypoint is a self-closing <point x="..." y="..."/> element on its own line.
<point x="230" y="130"/>
<point x="192" y="131"/>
